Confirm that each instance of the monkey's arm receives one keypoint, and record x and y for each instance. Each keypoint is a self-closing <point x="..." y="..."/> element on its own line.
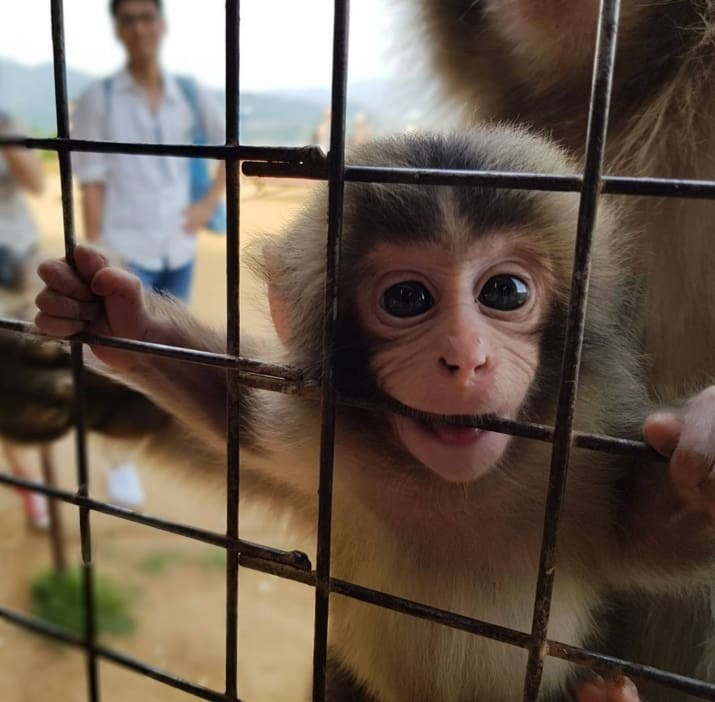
<point x="105" y="300"/>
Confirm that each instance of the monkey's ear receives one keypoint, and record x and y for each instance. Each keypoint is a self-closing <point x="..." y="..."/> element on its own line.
<point x="273" y="271"/>
<point x="279" y="313"/>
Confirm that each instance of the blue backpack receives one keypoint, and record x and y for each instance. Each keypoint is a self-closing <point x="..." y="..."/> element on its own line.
<point x="200" y="178"/>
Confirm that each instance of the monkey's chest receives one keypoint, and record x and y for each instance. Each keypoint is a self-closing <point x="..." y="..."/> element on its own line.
<point x="402" y="658"/>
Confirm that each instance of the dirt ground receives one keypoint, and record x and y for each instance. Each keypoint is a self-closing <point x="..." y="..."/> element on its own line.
<point x="177" y="585"/>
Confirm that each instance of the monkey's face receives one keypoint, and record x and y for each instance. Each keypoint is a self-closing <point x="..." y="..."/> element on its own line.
<point x="455" y="331"/>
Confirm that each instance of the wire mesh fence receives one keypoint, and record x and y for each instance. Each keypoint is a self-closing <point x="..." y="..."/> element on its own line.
<point x="310" y="163"/>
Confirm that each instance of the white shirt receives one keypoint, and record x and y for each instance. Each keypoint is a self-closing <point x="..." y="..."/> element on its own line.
<point x="18" y="230"/>
<point x="144" y="196"/>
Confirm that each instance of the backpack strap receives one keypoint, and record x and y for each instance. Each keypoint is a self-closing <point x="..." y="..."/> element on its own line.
<point x="190" y="91"/>
<point x="107" y="87"/>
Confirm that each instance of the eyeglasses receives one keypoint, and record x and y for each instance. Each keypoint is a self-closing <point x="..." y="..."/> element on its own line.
<point x="129" y="20"/>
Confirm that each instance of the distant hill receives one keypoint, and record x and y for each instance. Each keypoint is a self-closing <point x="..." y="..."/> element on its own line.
<point x="267" y="118"/>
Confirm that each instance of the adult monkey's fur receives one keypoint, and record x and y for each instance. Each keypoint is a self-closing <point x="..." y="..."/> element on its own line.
<point x="530" y="61"/>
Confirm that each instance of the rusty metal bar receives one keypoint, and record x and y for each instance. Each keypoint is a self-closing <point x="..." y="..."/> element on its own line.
<point x="306" y="155"/>
<point x="611" y="185"/>
<point x="309" y="162"/>
<point x="38" y="626"/>
<point x="293" y="559"/>
<point x="604" y="61"/>
<point x="177" y="353"/>
<point x="287" y="380"/>
<point x="233" y="340"/>
<point x="336" y="186"/>
<point x="578" y="656"/>
<point x="63" y="132"/>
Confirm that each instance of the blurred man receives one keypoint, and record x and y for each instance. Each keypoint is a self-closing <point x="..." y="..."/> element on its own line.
<point x="140" y="207"/>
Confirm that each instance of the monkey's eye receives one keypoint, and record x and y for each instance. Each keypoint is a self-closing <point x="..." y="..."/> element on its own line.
<point x="504" y="292"/>
<point x="408" y="299"/>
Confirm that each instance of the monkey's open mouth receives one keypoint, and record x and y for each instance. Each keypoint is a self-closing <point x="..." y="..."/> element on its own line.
<point x="453" y="435"/>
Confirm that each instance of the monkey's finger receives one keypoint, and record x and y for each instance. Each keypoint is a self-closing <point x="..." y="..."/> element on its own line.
<point x="89" y="262"/>
<point x="592" y="691"/>
<point x="123" y="302"/>
<point x="621" y="689"/>
<point x="694" y="457"/>
<point x="115" y="282"/>
<point x="691" y="467"/>
<point x="59" y="276"/>
<point x="56" y="305"/>
<point x="57" y="326"/>
<point x="662" y="431"/>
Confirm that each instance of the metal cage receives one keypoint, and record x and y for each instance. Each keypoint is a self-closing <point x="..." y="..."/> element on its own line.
<point x="310" y="162"/>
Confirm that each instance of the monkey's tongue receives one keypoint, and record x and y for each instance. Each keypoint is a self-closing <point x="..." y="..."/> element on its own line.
<point x="455" y="435"/>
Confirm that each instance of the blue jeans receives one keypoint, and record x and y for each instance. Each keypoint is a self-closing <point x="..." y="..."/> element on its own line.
<point x="176" y="281"/>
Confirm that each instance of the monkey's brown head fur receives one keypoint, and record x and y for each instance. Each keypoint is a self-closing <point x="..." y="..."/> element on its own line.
<point x="532" y="59"/>
<point x="533" y="232"/>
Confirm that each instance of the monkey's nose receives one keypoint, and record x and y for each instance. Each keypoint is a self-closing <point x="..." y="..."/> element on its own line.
<point x="451" y="367"/>
<point x="462" y="372"/>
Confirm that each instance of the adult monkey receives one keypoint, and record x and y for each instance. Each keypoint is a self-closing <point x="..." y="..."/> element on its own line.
<point x="465" y="290"/>
<point x="531" y="61"/>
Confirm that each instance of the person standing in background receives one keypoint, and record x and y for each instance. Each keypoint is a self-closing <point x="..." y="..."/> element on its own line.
<point x="20" y="171"/>
<point x="139" y="207"/>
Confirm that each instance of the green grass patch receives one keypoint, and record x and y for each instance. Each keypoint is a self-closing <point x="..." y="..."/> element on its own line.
<point x="215" y="559"/>
<point x="57" y="598"/>
<point x="157" y="562"/>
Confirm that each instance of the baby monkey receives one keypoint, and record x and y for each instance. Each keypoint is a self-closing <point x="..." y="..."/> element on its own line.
<point x="453" y="300"/>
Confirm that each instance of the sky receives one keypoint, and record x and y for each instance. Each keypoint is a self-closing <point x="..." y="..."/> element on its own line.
<point x="284" y="43"/>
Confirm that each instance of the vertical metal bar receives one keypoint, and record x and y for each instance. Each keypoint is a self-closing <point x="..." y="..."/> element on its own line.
<point x="57" y="544"/>
<point x="563" y="434"/>
<point x="63" y="132"/>
<point x="233" y="388"/>
<point x="336" y="185"/>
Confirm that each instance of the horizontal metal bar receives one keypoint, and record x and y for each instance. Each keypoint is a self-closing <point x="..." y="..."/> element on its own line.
<point x="658" y="187"/>
<point x="612" y="665"/>
<point x="577" y="656"/>
<point x="422" y="611"/>
<point x="309" y="162"/>
<point x="287" y="380"/>
<point x="39" y="626"/>
<point x="556" y="649"/>
<point x="610" y="185"/>
<point x="436" y="176"/>
<point x="309" y="156"/>
<point x="178" y="353"/>
<point x="295" y="559"/>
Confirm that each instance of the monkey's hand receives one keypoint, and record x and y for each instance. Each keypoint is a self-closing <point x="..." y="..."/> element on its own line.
<point x="688" y="438"/>
<point x="101" y="299"/>
<point x="97" y="298"/>
<point x="612" y="690"/>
